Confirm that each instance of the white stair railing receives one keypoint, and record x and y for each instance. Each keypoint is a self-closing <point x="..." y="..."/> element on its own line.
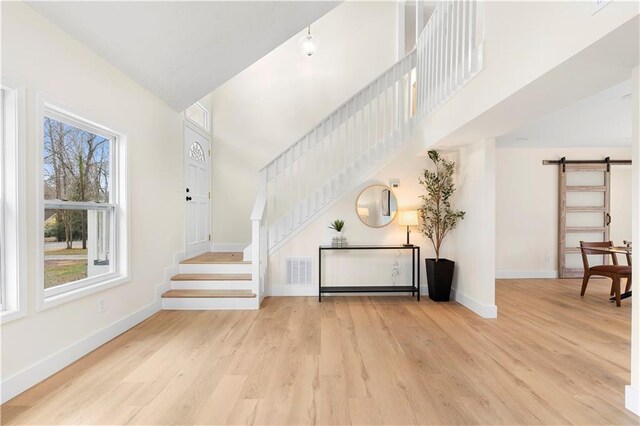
<point x="370" y="126"/>
<point x="259" y="244"/>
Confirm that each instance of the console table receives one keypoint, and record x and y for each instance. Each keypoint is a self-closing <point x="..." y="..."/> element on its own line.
<point x="414" y="288"/>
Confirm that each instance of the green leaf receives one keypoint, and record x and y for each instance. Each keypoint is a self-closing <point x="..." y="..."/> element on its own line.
<point x="436" y="214"/>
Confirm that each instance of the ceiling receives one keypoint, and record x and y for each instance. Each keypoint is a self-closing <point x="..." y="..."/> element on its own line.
<point x="181" y="50"/>
<point x="601" y="120"/>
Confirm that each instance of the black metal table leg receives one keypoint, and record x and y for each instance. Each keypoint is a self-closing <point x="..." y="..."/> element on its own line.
<point x="418" y="271"/>
<point x="319" y="275"/>
<point x="413" y="273"/>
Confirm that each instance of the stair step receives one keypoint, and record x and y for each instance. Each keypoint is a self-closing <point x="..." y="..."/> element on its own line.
<point x="217" y="257"/>
<point x="211" y="285"/>
<point x="211" y="277"/>
<point x="245" y="294"/>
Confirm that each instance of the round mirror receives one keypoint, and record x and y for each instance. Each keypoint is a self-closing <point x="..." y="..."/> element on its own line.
<point x="376" y="206"/>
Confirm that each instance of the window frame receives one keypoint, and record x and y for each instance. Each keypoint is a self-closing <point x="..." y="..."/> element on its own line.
<point x="13" y="181"/>
<point x="3" y="203"/>
<point x="207" y="116"/>
<point x="118" y="205"/>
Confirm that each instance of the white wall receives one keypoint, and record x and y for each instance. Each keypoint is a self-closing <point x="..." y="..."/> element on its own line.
<point x="469" y="245"/>
<point x="473" y="245"/>
<point x="367" y="267"/>
<point x="268" y="106"/>
<point x="632" y="391"/>
<point x="44" y="59"/>
<point x="527" y="207"/>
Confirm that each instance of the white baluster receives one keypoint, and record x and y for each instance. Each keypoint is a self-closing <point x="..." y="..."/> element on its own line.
<point x="369" y="126"/>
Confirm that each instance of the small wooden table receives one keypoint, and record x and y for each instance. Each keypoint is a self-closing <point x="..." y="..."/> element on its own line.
<point x="615" y="250"/>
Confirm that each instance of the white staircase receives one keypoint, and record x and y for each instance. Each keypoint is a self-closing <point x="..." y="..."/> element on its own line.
<point x="367" y="130"/>
<point x="339" y="152"/>
<point x="213" y="281"/>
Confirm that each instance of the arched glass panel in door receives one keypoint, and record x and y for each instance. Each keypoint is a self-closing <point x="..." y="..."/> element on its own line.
<point x="197" y="153"/>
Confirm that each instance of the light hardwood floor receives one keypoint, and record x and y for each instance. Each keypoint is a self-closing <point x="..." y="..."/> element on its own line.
<point x="550" y="358"/>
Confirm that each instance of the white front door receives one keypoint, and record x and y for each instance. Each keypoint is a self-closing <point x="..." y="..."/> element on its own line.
<point x="197" y="157"/>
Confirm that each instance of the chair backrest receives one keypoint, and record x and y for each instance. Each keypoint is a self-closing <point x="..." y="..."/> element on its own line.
<point x="584" y="248"/>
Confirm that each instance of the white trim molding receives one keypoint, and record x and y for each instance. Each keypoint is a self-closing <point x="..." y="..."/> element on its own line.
<point x="295" y="291"/>
<point x="523" y="273"/>
<point x="632" y="399"/>
<point x="14" y="250"/>
<point x="485" y="311"/>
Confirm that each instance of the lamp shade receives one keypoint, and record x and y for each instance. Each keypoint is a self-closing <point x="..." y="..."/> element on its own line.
<point x="408" y="218"/>
<point x="363" y="212"/>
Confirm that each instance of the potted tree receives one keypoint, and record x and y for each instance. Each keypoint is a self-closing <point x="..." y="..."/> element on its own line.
<point x="438" y="218"/>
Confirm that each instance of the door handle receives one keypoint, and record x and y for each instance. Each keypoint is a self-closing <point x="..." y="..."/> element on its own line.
<point x="188" y="198"/>
<point x="608" y="219"/>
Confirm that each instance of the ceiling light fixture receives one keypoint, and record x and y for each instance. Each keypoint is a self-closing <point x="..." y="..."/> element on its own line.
<point x="308" y="44"/>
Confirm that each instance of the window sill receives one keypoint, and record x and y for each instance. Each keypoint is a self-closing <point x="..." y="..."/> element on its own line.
<point x="50" y="301"/>
<point x="11" y="315"/>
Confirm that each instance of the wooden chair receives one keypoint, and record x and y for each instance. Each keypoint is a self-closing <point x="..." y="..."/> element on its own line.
<point x="615" y="272"/>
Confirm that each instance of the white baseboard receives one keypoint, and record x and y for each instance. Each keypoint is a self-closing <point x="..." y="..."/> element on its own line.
<point x="523" y="273"/>
<point x="282" y="291"/>
<point x="632" y="399"/>
<point x="32" y="375"/>
<point x="228" y="247"/>
<point x="485" y="311"/>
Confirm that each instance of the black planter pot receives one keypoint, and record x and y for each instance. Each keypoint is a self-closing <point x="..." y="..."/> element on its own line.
<point x="439" y="278"/>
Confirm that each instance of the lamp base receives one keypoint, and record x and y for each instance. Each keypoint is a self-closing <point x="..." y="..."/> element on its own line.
<point x="408" y="244"/>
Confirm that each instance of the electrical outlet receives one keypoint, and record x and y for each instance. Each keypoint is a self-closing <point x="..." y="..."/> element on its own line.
<point x="102" y="306"/>
<point x="547" y="258"/>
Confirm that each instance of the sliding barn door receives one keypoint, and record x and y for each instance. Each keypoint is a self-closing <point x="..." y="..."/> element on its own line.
<point x="584" y="213"/>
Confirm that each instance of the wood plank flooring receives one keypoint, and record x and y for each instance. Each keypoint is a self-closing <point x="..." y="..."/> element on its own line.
<point x="551" y="357"/>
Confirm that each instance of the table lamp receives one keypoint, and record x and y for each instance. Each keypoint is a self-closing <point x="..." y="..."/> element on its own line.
<point x="408" y="218"/>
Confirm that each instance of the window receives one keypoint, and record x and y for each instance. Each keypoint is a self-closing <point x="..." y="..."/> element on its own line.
<point x="83" y="226"/>
<point x="199" y="115"/>
<point x="197" y="153"/>
<point x="12" y="207"/>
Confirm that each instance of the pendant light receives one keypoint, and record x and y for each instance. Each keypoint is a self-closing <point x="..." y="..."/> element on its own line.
<point x="308" y="44"/>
